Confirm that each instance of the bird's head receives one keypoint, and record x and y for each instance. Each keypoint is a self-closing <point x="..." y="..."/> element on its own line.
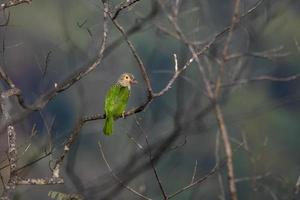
<point x="126" y="80"/>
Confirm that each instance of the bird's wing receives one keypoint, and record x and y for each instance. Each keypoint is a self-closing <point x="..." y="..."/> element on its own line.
<point x="116" y="100"/>
<point x="111" y="99"/>
<point x="122" y="100"/>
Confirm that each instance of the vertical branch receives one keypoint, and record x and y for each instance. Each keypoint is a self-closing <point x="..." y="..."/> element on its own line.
<point x="218" y="111"/>
<point x="217" y="156"/>
<point x="234" y="21"/>
<point x="228" y="151"/>
<point x="151" y="161"/>
<point x="194" y="172"/>
<point x="191" y="48"/>
<point x="12" y="141"/>
<point x="136" y="56"/>
<point x="12" y="150"/>
<point x="213" y="95"/>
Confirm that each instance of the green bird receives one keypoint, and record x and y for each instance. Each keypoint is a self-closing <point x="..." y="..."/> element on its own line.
<point x="116" y="101"/>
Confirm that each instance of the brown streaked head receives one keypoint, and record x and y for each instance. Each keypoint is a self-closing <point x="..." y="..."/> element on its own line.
<point x="126" y="80"/>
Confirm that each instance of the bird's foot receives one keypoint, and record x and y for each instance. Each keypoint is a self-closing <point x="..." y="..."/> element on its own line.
<point x="123" y="114"/>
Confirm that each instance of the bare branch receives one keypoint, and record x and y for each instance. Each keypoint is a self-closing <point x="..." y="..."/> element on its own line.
<point x="12" y="3"/>
<point x="195" y="55"/>
<point x="262" y="78"/>
<point x="213" y="96"/>
<point x="40" y="181"/>
<point x="46" y="154"/>
<point x="46" y="63"/>
<point x="11" y="140"/>
<point x="116" y="177"/>
<point x="136" y="56"/>
<point x="194" y="172"/>
<point x="197" y="181"/>
<point x="297" y="44"/>
<point x="151" y="161"/>
<point x="251" y="178"/>
<point x="268" y="54"/>
<point x="6" y="79"/>
<point x="218" y="111"/>
<point x="228" y="151"/>
<point x="176" y="74"/>
<point x="68" y="144"/>
<point x="176" y="63"/>
<point x="217" y="156"/>
<point x="122" y="6"/>
<point x="81" y="122"/>
<point x="234" y="21"/>
<point x="73" y="78"/>
<point x="135" y="142"/>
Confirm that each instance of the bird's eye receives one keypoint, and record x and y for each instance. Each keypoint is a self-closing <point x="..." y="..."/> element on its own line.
<point x="126" y="77"/>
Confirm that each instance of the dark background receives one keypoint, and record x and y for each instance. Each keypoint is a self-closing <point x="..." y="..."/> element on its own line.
<point x="264" y="113"/>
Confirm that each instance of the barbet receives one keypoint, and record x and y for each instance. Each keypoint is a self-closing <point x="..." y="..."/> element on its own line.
<point x="116" y="101"/>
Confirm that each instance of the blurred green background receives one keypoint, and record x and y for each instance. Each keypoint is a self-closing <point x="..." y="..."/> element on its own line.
<point x="262" y="114"/>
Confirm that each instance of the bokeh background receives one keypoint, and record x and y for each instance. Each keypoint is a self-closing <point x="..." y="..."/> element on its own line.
<point x="45" y="41"/>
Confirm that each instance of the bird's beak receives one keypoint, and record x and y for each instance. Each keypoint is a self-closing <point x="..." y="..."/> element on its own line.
<point x="133" y="81"/>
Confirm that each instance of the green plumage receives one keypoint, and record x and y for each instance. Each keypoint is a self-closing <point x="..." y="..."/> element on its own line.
<point x="115" y="104"/>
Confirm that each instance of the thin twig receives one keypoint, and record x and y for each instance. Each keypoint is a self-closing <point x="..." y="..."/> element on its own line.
<point x="136" y="56"/>
<point x="47" y="59"/>
<point x="176" y="74"/>
<point x="217" y="156"/>
<point x="123" y="6"/>
<point x="194" y="171"/>
<point x="262" y="78"/>
<point x="34" y="161"/>
<point x="160" y="148"/>
<point x="270" y="191"/>
<point x="6" y="78"/>
<point x="216" y="168"/>
<point x="251" y="178"/>
<point x="176" y="62"/>
<point x="81" y="122"/>
<point x="195" y="55"/>
<point x="68" y="144"/>
<point x="73" y="78"/>
<point x="269" y="54"/>
<point x="197" y="181"/>
<point x="116" y="177"/>
<point x="234" y="21"/>
<point x="151" y="161"/>
<point x="12" y="3"/>
<point x="297" y="44"/>
<point x="135" y="142"/>
<point x="218" y="111"/>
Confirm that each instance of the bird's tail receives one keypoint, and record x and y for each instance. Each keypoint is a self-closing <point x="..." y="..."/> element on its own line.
<point x="108" y="126"/>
